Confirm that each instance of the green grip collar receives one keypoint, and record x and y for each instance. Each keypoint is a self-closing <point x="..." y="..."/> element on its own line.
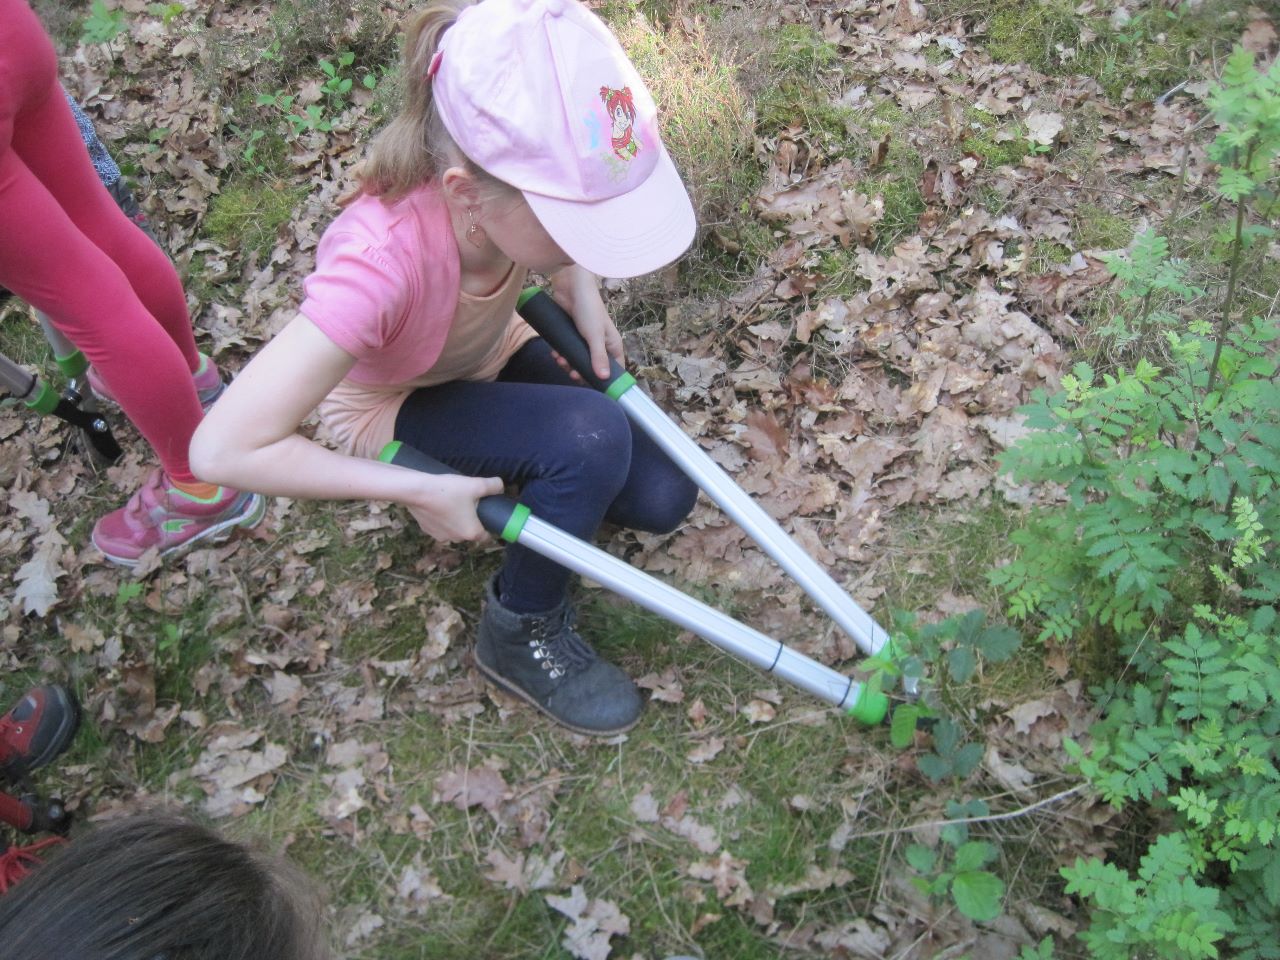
<point x="872" y="704"/>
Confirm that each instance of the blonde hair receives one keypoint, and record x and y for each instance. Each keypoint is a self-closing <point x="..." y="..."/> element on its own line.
<point x="415" y="148"/>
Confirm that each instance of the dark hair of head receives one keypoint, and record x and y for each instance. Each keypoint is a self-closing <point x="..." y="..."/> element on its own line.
<point x="415" y="148"/>
<point x="158" y="887"/>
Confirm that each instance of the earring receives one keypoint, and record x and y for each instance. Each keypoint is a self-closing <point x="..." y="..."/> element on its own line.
<point x="475" y="233"/>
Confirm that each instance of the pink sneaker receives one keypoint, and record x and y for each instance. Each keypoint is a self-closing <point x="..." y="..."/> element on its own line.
<point x="161" y="515"/>
<point x="208" y="381"/>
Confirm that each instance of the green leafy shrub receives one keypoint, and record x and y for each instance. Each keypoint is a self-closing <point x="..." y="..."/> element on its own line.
<point x="1162" y="553"/>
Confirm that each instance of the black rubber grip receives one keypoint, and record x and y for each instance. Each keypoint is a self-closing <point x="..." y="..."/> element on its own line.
<point x="556" y="327"/>
<point x="494" y="511"/>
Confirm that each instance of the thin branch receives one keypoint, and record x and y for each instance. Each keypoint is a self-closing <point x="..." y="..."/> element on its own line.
<point x="1010" y="815"/>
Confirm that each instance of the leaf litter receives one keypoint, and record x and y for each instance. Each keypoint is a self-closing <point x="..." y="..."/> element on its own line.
<point x="863" y="368"/>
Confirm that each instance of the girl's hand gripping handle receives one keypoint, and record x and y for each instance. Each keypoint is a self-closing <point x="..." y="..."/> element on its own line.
<point x="500" y="515"/>
<point x="555" y="326"/>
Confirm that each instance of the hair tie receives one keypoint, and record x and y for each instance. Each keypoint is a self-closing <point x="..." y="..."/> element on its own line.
<point x="434" y="66"/>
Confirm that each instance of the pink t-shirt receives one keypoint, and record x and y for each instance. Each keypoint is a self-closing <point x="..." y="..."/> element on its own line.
<point x="386" y="285"/>
<point x="386" y="290"/>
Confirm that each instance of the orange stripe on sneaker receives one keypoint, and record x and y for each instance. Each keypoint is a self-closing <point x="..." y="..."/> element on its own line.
<point x="199" y="492"/>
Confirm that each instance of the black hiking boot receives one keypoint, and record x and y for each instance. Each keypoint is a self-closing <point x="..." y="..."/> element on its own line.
<point x="541" y="659"/>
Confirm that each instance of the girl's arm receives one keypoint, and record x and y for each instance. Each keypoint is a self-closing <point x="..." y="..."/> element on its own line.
<point x="249" y="440"/>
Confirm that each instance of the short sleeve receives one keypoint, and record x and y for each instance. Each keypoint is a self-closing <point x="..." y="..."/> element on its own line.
<point x="356" y="295"/>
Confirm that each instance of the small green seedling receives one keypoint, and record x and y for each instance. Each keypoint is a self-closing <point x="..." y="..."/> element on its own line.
<point x="957" y="867"/>
<point x="102" y="25"/>
<point x="167" y="12"/>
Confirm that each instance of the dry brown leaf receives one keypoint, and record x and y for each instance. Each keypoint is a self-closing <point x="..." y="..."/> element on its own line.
<point x="477" y="786"/>
<point x="644" y="807"/>
<point x="418" y="887"/>
<point x="31" y="507"/>
<point x="364" y="927"/>
<point x="1043" y="128"/>
<point x="523" y="873"/>
<point x="1011" y="776"/>
<point x="665" y="687"/>
<point x="38" y="578"/>
<point x="703" y="837"/>
<point x="1259" y="36"/>
<point x="594" y="923"/>
<point x="727" y="875"/>
<point x="706" y="751"/>
<point x="234" y="777"/>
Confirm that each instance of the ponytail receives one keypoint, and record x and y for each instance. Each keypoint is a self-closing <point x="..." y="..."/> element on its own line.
<point x="415" y="148"/>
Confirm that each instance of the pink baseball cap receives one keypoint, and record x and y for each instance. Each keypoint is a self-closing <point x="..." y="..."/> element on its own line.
<point x="540" y="94"/>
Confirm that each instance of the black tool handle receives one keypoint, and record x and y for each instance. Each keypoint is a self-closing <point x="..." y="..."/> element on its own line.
<point x="93" y="427"/>
<point x="555" y="326"/>
<point x="495" y="511"/>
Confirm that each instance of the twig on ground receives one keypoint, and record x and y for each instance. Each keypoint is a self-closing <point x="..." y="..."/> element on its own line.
<point x="1010" y="815"/>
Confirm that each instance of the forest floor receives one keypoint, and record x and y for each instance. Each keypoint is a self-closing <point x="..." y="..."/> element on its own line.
<point x="905" y="211"/>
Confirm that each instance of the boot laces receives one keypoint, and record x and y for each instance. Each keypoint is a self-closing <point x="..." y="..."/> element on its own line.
<point x="16" y="862"/>
<point x="557" y="645"/>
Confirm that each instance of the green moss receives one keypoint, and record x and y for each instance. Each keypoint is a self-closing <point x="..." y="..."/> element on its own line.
<point x="800" y="62"/>
<point x="248" y="214"/>
<point x="1028" y="32"/>
<point x="796" y="103"/>
<point x="1045" y="254"/>
<point x="982" y="142"/>
<point x="903" y="204"/>
<point x="887" y="116"/>
<point x="1096" y="228"/>
<point x="800" y="49"/>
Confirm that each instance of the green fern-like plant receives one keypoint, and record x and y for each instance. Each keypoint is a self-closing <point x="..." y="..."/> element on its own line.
<point x="1162" y="552"/>
<point x="1162" y="909"/>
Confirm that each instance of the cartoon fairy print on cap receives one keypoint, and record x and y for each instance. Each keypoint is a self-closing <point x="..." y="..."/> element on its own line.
<point x="540" y="94"/>
<point x="622" y="111"/>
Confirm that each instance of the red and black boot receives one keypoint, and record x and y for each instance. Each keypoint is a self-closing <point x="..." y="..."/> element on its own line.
<point x="36" y="730"/>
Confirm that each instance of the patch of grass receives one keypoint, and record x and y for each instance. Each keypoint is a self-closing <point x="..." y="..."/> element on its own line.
<point x="799" y="49"/>
<point x="248" y="214"/>
<point x="887" y="116"/>
<point x="21" y="337"/>
<point x="1028" y="32"/>
<point x="1139" y="58"/>
<point x="840" y="269"/>
<point x="731" y="252"/>
<point x="1096" y="228"/>
<point x="706" y="117"/>
<point x="794" y="103"/>
<point x="903" y="201"/>
<point x="982" y="142"/>
<point x="939" y="552"/>
<point x="794" y="88"/>
<point x="64" y="19"/>
<point x="300" y="32"/>
<point x="1046" y="254"/>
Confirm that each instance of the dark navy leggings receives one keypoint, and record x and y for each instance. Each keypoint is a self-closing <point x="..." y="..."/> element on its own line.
<point x="569" y="449"/>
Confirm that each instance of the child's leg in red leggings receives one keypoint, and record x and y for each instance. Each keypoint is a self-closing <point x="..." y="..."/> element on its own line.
<point x="67" y="249"/>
